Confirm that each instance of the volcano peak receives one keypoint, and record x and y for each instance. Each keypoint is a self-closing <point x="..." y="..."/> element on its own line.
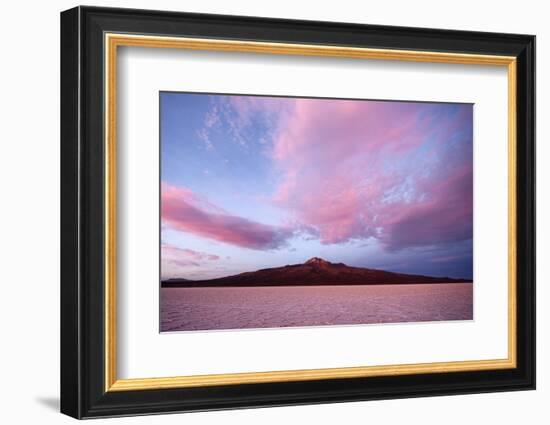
<point x="317" y="261"/>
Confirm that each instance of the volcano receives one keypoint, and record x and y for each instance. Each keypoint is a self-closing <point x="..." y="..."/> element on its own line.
<point x="314" y="272"/>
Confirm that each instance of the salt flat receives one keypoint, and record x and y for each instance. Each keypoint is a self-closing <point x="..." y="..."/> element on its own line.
<point x="187" y="309"/>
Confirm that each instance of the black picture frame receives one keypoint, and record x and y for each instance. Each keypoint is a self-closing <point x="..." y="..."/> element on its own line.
<point x="83" y="392"/>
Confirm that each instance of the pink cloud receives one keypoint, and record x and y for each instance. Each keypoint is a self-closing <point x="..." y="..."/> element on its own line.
<point x="183" y="210"/>
<point x="175" y="260"/>
<point x="352" y="170"/>
<point x="399" y="172"/>
<point x="185" y="256"/>
<point x="446" y="216"/>
<point x="352" y="127"/>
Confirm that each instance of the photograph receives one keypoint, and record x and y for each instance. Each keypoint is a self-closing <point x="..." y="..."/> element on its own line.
<point x="280" y="211"/>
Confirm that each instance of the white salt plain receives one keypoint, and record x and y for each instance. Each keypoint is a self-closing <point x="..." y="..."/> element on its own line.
<point x="188" y="309"/>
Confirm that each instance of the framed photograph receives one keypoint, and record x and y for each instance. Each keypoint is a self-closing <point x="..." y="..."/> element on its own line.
<point x="261" y="212"/>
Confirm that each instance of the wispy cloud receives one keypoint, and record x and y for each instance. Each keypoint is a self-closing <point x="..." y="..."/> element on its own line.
<point x="175" y="260"/>
<point x="241" y="118"/>
<point x="184" y="255"/>
<point x="185" y="211"/>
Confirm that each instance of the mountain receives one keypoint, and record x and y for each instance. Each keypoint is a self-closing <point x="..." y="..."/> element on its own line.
<point x="314" y="271"/>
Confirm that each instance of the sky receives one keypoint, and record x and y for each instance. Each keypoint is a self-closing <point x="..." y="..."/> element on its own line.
<point x="250" y="182"/>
